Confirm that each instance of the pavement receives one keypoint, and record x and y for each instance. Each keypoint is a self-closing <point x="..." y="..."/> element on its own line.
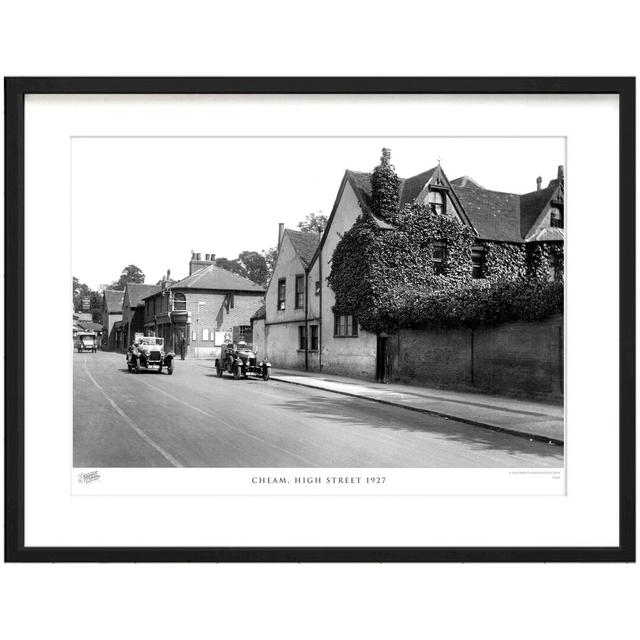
<point x="195" y="419"/>
<point x="530" y="419"/>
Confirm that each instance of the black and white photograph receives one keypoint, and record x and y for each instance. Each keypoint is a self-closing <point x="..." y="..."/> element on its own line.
<point x="318" y="302"/>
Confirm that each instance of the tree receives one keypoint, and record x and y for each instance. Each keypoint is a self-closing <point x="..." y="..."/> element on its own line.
<point x="270" y="256"/>
<point x="235" y="266"/>
<point x="313" y="223"/>
<point x="255" y="266"/>
<point x="130" y="273"/>
<point x="82" y="291"/>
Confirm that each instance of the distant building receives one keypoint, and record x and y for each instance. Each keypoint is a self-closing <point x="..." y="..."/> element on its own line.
<point x="132" y="313"/>
<point x="111" y="313"/>
<point x="204" y="309"/>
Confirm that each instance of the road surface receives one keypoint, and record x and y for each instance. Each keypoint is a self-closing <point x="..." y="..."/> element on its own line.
<point x="195" y="419"/>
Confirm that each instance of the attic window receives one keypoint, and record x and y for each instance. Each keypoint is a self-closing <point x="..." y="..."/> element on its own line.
<point x="439" y="257"/>
<point x="556" y="215"/>
<point x="437" y="201"/>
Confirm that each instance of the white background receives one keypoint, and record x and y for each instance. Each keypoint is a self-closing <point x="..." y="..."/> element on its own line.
<point x="365" y="38"/>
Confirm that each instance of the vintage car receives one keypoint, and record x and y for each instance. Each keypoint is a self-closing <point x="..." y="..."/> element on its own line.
<point x="240" y="359"/>
<point x="86" y="341"/>
<point x="147" y="352"/>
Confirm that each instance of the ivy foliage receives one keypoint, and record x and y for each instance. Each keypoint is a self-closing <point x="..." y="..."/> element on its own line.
<point x="387" y="278"/>
<point x="385" y="187"/>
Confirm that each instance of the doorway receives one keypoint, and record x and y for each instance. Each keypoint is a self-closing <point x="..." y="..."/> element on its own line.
<point x="383" y="364"/>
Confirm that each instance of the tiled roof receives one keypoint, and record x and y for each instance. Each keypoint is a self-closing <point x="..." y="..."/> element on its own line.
<point x="90" y="326"/>
<point x="138" y="292"/>
<point x="304" y="243"/>
<point x="213" y="277"/>
<point x="113" y="299"/>
<point x="411" y="187"/>
<point x="548" y="234"/>
<point x="465" y="181"/>
<point x="494" y="214"/>
<point x="532" y="204"/>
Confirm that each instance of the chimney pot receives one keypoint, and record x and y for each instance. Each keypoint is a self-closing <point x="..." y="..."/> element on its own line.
<point x="206" y="257"/>
<point x="561" y="172"/>
<point x="168" y="273"/>
<point x="539" y="183"/>
<point x="386" y="155"/>
<point x="213" y="257"/>
<point x="198" y="256"/>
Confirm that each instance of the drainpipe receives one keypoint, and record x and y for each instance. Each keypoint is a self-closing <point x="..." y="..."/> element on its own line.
<point x="306" y="320"/>
<point x="320" y="314"/>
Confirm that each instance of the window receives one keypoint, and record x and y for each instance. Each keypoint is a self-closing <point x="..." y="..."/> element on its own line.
<point x="437" y="201"/>
<point x="299" y="292"/>
<point x="317" y="287"/>
<point x="302" y="337"/>
<point x="282" y="293"/>
<point x="314" y="337"/>
<point x="345" y="326"/>
<point x="205" y="335"/>
<point x="179" y="302"/>
<point x="478" y="257"/>
<point x="553" y="267"/>
<point x="194" y="336"/>
<point x="439" y="257"/>
<point x="556" y="218"/>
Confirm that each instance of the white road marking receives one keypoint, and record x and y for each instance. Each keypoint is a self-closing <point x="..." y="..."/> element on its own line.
<point x="230" y="426"/>
<point x="167" y="456"/>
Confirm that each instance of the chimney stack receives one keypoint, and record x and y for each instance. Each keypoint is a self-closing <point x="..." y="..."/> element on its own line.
<point x="280" y="234"/>
<point x="196" y="263"/>
<point x="539" y="183"/>
<point x="168" y="274"/>
<point x="560" y="173"/>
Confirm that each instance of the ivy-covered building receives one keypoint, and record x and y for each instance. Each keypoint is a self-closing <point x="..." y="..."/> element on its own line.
<point x="399" y="237"/>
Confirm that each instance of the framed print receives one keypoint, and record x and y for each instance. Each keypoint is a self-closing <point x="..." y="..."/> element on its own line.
<point x="320" y="319"/>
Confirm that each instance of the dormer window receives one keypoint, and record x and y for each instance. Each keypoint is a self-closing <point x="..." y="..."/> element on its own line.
<point x="437" y="201"/>
<point x="556" y="217"/>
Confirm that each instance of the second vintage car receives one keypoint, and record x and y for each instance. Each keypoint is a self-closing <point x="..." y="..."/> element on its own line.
<point x="147" y="352"/>
<point x="241" y="360"/>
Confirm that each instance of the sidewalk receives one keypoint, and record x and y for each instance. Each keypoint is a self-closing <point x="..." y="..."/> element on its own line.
<point x="530" y="419"/>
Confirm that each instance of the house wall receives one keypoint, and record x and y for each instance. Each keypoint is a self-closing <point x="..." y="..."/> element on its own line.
<point x="518" y="358"/>
<point x="259" y="338"/>
<point x="212" y="316"/>
<point x="281" y="326"/>
<point x="109" y="320"/>
<point x="344" y="356"/>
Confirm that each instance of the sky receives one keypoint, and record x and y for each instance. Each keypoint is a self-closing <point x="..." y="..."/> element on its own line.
<point x="151" y="201"/>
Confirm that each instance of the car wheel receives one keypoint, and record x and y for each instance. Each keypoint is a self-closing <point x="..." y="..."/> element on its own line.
<point x="236" y="372"/>
<point x="160" y="369"/>
<point x="219" y="370"/>
<point x="266" y="373"/>
<point x="170" y="368"/>
<point x="137" y="365"/>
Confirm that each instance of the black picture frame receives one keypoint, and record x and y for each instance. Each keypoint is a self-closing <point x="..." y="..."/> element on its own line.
<point x="15" y="91"/>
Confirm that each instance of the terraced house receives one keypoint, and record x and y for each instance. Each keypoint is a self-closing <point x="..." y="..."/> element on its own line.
<point x="516" y="235"/>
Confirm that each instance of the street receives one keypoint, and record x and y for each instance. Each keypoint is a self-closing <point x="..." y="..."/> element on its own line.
<point x="195" y="419"/>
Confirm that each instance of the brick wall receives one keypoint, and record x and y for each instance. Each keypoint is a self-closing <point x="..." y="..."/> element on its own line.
<point x="523" y="359"/>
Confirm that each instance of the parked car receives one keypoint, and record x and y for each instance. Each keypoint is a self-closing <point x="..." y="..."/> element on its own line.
<point x="86" y="341"/>
<point x="147" y="352"/>
<point x="240" y="359"/>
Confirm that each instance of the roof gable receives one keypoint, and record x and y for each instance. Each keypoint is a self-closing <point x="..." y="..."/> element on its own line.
<point x="113" y="300"/>
<point x="214" y="277"/>
<point x="304" y="244"/>
<point x="135" y="293"/>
